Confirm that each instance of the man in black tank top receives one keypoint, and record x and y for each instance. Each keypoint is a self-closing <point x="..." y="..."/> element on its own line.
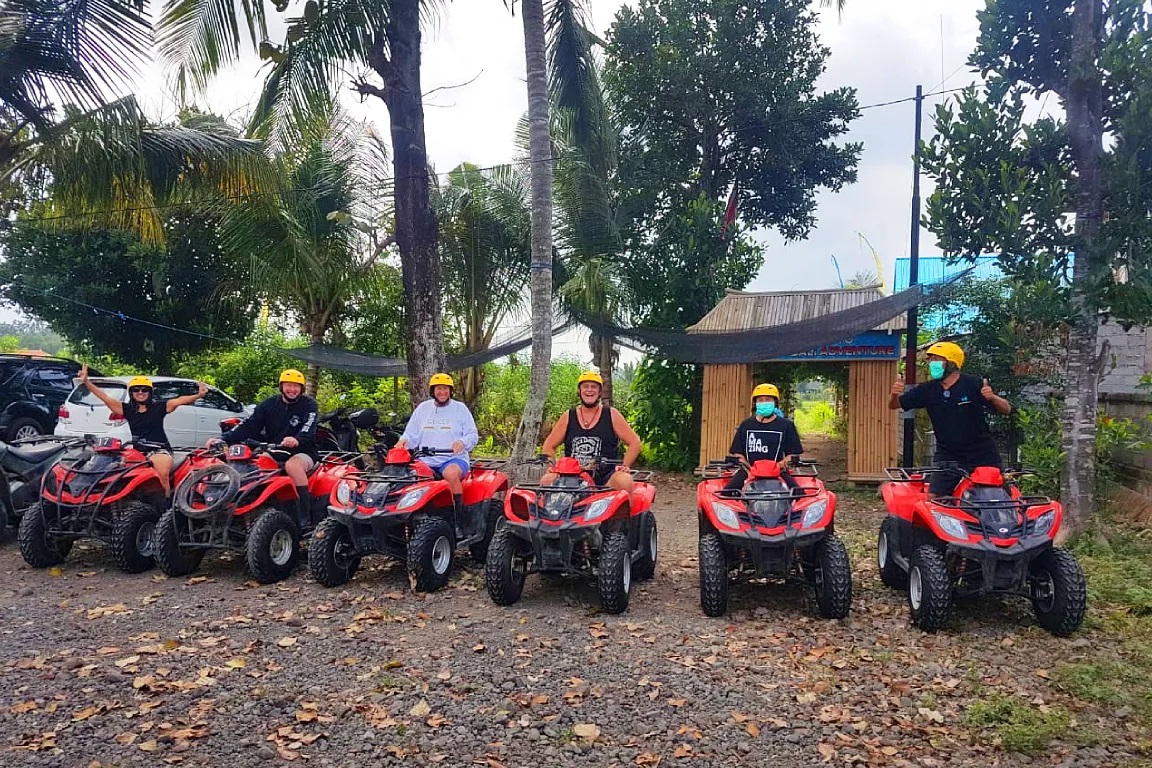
<point x="592" y="430"/>
<point x="145" y="417"/>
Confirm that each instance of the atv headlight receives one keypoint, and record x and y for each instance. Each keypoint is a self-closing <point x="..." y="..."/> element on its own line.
<point x="814" y="514"/>
<point x="597" y="508"/>
<point x="726" y="516"/>
<point x="1044" y="522"/>
<point x="344" y="492"/>
<point x="412" y="498"/>
<point x="951" y="526"/>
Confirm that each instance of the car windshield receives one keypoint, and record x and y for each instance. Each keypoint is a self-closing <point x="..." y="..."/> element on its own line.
<point x="81" y="395"/>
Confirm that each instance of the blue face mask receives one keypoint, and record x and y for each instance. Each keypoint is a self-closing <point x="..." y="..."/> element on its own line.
<point x="765" y="409"/>
<point x="936" y="369"/>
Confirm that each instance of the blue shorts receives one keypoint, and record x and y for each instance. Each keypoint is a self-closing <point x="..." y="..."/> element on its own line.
<point x="462" y="463"/>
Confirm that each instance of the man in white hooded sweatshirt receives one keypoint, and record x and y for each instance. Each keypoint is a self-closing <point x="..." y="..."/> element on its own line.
<point x="443" y="423"/>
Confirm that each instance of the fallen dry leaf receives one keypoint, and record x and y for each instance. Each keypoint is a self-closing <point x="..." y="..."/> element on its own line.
<point x="753" y="729"/>
<point x="420" y="709"/>
<point x="589" y="731"/>
<point x="236" y="663"/>
<point x="647" y="759"/>
<point x="827" y="751"/>
<point x="286" y="642"/>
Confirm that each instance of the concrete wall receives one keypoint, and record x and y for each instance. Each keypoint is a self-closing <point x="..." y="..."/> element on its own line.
<point x="1129" y="358"/>
<point x="1135" y="467"/>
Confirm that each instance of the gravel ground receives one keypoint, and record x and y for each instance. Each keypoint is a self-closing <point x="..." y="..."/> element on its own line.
<point x="103" y="669"/>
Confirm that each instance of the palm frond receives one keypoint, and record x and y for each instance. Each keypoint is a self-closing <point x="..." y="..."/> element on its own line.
<point x="77" y="51"/>
<point x="574" y="79"/>
<point x="201" y="37"/>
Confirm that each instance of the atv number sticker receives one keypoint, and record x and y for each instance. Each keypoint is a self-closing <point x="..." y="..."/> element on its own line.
<point x="236" y="450"/>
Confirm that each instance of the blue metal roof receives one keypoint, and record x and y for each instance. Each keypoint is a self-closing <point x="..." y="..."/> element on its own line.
<point x="933" y="269"/>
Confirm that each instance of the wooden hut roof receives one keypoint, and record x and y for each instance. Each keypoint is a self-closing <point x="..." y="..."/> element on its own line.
<point x="744" y="310"/>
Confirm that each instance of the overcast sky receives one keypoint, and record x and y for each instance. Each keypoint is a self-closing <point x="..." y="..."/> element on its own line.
<point x="883" y="48"/>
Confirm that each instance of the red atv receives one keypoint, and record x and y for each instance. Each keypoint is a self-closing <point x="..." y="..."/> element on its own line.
<point x="771" y="529"/>
<point x="239" y="498"/>
<point x="985" y="538"/>
<point x="575" y="527"/>
<point x="403" y="511"/>
<point x="110" y="493"/>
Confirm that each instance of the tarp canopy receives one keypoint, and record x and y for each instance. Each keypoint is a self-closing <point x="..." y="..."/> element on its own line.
<point x="751" y="345"/>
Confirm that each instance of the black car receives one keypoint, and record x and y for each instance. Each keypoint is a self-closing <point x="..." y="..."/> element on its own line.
<point x="32" y="389"/>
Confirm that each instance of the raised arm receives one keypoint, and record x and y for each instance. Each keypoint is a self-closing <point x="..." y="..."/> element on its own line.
<point x="115" y="406"/>
<point x="176" y="402"/>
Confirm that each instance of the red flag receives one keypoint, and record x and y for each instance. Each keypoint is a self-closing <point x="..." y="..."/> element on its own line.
<point x="730" y="210"/>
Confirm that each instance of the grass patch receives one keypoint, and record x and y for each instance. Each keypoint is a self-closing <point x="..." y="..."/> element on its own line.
<point x="1118" y="564"/>
<point x="816" y="417"/>
<point x="1020" y="726"/>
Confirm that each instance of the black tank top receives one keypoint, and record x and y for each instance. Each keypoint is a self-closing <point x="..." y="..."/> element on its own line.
<point x="600" y="440"/>
<point x="148" y="425"/>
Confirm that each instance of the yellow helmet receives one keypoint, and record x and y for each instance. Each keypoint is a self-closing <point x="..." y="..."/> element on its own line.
<point x="292" y="376"/>
<point x="441" y="378"/>
<point x="765" y="389"/>
<point x="140" y="381"/>
<point x="949" y="351"/>
<point x="590" y="376"/>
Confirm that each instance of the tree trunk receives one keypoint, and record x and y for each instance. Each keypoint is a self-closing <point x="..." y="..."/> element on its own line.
<point x="415" y="221"/>
<point x="312" y="374"/>
<point x="540" y="154"/>
<point x="1082" y="374"/>
<point x="604" y="354"/>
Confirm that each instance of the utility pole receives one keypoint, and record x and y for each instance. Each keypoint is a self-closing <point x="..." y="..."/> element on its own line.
<point x="913" y="279"/>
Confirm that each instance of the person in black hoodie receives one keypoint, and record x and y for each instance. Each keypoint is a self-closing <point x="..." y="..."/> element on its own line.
<point x="289" y="419"/>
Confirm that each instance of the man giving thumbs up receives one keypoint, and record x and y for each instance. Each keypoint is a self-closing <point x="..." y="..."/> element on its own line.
<point x="957" y="405"/>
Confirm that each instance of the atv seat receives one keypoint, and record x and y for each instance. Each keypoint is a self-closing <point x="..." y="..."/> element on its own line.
<point x="33" y="454"/>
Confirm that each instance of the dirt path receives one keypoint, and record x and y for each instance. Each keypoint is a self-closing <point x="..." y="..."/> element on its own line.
<point x="103" y="669"/>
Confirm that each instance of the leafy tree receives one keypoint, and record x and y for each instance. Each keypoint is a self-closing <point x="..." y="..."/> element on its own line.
<point x="1036" y="192"/>
<point x="63" y="126"/>
<point x="484" y="252"/>
<point x="33" y="335"/>
<point x="382" y="38"/>
<point x="249" y="370"/>
<point x="190" y="284"/>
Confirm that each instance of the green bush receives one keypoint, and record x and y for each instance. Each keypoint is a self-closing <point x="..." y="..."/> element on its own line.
<point x="501" y="403"/>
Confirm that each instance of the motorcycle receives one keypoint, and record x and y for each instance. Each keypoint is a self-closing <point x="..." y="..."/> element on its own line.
<point x="22" y="465"/>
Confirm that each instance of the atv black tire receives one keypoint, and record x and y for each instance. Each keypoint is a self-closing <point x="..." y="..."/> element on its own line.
<point x="1059" y="592"/>
<point x="832" y="578"/>
<point x="890" y="572"/>
<point x="172" y="558"/>
<point x="615" y="572"/>
<point x="132" y="544"/>
<point x="431" y="553"/>
<point x="929" y="588"/>
<point x="503" y="578"/>
<point x="645" y="567"/>
<point x="332" y="556"/>
<point x="273" y="545"/>
<point x="493" y="515"/>
<point x="713" y="575"/>
<point x="38" y="548"/>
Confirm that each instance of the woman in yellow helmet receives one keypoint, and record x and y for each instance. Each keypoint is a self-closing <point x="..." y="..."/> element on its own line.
<point x="288" y="418"/>
<point x="764" y="435"/>
<point x="145" y="417"/>
<point x="957" y="406"/>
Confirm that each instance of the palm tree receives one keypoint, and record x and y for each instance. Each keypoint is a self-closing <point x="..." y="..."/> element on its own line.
<point x="309" y="240"/>
<point x="383" y="36"/>
<point x="98" y="154"/>
<point x="484" y="252"/>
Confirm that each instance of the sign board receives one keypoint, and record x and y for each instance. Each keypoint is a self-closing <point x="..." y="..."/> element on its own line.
<point x="870" y="345"/>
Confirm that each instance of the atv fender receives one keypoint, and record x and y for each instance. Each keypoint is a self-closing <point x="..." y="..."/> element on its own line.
<point x="643" y="495"/>
<point x="902" y="498"/>
<point x="483" y="484"/>
<point x="279" y="489"/>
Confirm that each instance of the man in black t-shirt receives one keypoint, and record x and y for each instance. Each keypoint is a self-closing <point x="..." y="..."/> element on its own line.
<point x="957" y="406"/>
<point x="766" y="435"/>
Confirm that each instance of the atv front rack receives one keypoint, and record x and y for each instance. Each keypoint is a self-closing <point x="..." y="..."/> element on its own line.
<point x="791" y="494"/>
<point x="483" y="462"/>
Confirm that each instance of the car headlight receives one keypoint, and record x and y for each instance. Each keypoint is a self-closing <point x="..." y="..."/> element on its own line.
<point x="412" y="498"/>
<point x="597" y="508"/>
<point x="1045" y="522"/>
<point x="726" y="515"/>
<point x="814" y="514"/>
<point x="951" y="526"/>
<point x="344" y="493"/>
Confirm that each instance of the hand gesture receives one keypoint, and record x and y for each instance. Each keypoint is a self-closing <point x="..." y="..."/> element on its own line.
<point x="289" y="442"/>
<point x="986" y="390"/>
<point x="84" y="373"/>
<point x="458" y="446"/>
<point x="898" y="388"/>
<point x="203" y="389"/>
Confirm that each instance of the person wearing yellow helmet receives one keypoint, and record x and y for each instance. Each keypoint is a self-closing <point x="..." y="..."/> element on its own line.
<point x="766" y="434"/>
<point x="957" y="405"/>
<point x="289" y="419"/>
<point x="592" y="430"/>
<point x="145" y="417"/>
<point x="446" y="424"/>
